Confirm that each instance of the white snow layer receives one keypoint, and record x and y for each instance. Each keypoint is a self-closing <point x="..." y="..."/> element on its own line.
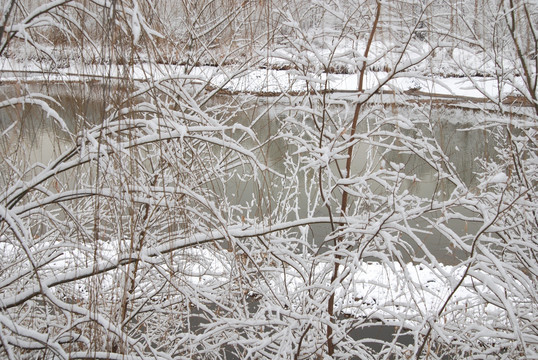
<point x="262" y="80"/>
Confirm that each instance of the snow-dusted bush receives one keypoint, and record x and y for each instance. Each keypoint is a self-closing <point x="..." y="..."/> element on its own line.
<point x="233" y="211"/>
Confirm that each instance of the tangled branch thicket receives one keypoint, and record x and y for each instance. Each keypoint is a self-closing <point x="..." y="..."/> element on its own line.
<point x="166" y="194"/>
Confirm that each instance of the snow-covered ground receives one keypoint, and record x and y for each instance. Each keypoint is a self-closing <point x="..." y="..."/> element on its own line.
<point x="395" y="294"/>
<point x="266" y="81"/>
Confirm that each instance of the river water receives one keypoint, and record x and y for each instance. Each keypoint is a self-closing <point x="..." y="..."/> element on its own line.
<point x="452" y="128"/>
<point x="36" y="138"/>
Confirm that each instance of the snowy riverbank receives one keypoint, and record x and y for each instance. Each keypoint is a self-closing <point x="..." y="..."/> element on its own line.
<point x="271" y="81"/>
